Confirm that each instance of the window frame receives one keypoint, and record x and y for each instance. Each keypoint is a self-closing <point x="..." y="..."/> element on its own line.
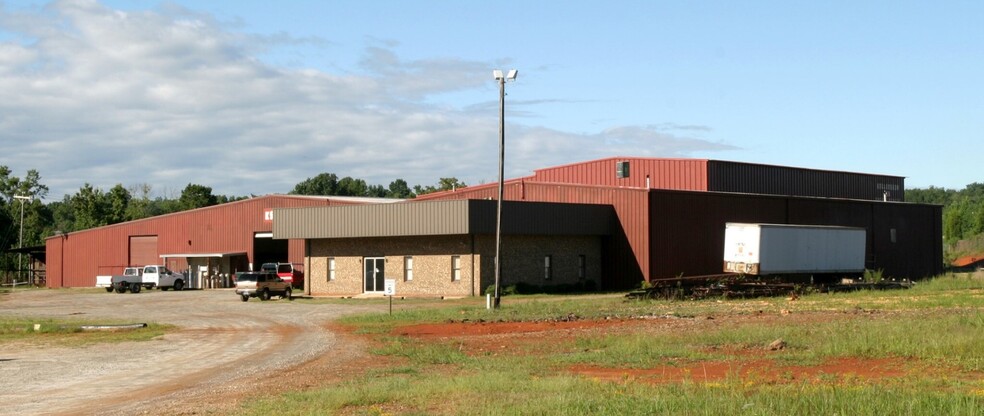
<point x="331" y="269"/>
<point x="582" y="267"/>
<point x="407" y="268"/>
<point x="548" y="267"/>
<point x="456" y="268"/>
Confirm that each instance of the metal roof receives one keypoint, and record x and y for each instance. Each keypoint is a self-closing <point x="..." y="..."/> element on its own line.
<point x="966" y="261"/>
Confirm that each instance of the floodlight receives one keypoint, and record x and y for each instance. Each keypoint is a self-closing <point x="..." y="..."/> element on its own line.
<point x="26" y="198"/>
<point x="512" y="74"/>
<point x="497" y="74"/>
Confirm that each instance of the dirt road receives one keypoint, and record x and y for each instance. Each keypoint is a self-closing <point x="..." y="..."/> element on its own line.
<point x="224" y="348"/>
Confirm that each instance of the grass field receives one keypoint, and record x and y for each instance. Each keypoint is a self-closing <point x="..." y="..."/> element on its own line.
<point x="917" y="351"/>
<point x="69" y="332"/>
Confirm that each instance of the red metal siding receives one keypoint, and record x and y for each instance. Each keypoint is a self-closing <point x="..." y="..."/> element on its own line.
<point x="225" y="228"/>
<point x="681" y="174"/>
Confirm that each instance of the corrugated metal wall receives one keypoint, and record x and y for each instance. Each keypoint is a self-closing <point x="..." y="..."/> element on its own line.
<point x="687" y="231"/>
<point x="424" y="218"/>
<point x="665" y="233"/>
<point x="682" y="174"/>
<point x="780" y="180"/>
<point x="222" y="228"/>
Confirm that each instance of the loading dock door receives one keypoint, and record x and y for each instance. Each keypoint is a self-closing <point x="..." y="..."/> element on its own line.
<point x="143" y="250"/>
<point x="268" y="250"/>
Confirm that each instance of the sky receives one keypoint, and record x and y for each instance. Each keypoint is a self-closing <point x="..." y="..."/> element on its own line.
<point x="251" y="97"/>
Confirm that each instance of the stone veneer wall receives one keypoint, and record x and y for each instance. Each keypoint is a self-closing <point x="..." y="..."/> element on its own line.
<point x="432" y="263"/>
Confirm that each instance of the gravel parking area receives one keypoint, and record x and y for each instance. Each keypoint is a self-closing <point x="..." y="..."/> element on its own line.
<point x="223" y="349"/>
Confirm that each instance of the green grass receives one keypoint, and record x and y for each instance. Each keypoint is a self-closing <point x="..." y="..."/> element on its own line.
<point x="64" y="332"/>
<point x="937" y="325"/>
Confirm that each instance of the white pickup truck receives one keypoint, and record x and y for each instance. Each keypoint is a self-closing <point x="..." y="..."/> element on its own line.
<point x="147" y="277"/>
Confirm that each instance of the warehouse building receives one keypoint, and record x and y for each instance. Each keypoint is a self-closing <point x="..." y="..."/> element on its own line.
<point x="665" y="218"/>
<point x="210" y="244"/>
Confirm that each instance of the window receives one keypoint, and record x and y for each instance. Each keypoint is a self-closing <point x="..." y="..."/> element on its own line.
<point x="408" y="268"/>
<point x="331" y="269"/>
<point x="547" y="267"/>
<point x="455" y="268"/>
<point x="581" y="266"/>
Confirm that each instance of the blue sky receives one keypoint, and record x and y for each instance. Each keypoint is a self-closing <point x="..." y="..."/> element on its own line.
<point x="251" y="97"/>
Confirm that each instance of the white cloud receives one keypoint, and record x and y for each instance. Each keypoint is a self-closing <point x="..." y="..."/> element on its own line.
<point x="171" y="97"/>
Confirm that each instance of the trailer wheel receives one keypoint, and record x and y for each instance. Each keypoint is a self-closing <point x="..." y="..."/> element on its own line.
<point x="163" y="288"/>
<point x="109" y="289"/>
<point x="134" y="287"/>
<point x="179" y="284"/>
<point x="265" y="294"/>
<point x="245" y="297"/>
<point x="287" y="295"/>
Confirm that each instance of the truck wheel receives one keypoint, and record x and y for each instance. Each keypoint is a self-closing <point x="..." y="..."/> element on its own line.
<point x="287" y="295"/>
<point x="121" y="288"/>
<point x="134" y="287"/>
<point x="109" y="289"/>
<point x="179" y="284"/>
<point x="265" y="295"/>
<point x="245" y="297"/>
<point x="163" y="288"/>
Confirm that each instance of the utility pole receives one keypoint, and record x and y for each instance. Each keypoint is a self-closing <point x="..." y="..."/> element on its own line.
<point x="20" y="239"/>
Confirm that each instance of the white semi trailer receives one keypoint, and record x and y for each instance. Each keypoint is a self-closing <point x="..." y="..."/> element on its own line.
<point x="778" y="249"/>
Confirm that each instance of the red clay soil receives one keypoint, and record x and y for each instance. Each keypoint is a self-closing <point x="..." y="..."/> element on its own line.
<point x="469" y="329"/>
<point x="528" y="338"/>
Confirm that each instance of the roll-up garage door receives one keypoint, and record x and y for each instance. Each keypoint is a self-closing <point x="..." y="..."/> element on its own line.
<point x="143" y="250"/>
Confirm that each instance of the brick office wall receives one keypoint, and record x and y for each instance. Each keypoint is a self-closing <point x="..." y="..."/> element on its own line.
<point x="432" y="263"/>
<point x="432" y="269"/>
<point x="523" y="259"/>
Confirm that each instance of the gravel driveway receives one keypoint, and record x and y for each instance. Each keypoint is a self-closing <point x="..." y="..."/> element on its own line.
<point x="223" y="346"/>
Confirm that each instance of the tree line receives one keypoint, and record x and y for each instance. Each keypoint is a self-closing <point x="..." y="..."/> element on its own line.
<point x="94" y="207"/>
<point x="963" y="210"/>
<point x="963" y="215"/>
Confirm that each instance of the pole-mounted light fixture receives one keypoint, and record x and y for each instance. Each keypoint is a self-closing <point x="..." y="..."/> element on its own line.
<point x="510" y="76"/>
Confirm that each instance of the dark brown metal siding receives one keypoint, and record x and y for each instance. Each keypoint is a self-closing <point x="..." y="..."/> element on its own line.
<point x="687" y="229"/>
<point x="225" y="228"/>
<point x="917" y="250"/>
<point x="540" y="218"/>
<point x="780" y="180"/>
<point x="687" y="233"/>
<point x="682" y="174"/>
